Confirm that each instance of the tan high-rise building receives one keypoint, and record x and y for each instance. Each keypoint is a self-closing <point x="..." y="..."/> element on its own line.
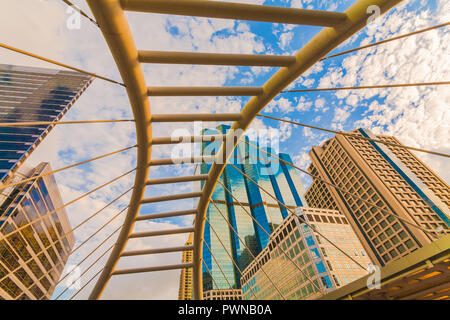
<point x="320" y="267"/>
<point x="390" y="177"/>
<point x="35" y="238"/>
<point x="185" y="290"/>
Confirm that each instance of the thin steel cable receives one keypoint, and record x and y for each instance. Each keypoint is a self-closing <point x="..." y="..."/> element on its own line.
<point x="223" y="245"/>
<point x="90" y="280"/>
<point x="38" y="123"/>
<point x="354" y="135"/>
<point x="245" y="245"/>
<point x="71" y="231"/>
<point x="59" y="64"/>
<point x="70" y="4"/>
<point x="386" y="40"/>
<point x="85" y="271"/>
<point x="65" y="168"/>
<point x="346" y="192"/>
<point x="304" y="221"/>
<point x="90" y="253"/>
<point x="209" y="272"/>
<point x="2" y="236"/>
<point x="96" y="232"/>
<point x="220" y="268"/>
<point x="380" y="86"/>
<point x="99" y="211"/>
<point x="268" y="234"/>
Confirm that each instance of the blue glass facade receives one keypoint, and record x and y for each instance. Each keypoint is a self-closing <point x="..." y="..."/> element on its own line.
<point x="273" y="176"/>
<point x="32" y="95"/>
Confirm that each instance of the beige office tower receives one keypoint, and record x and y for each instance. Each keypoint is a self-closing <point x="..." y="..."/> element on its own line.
<point x="319" y="266"/>
<point x="405" y="192"/>
<point x="185" y="290"/>
<point x="35" y="237"/>
<point x="223" y="294"/>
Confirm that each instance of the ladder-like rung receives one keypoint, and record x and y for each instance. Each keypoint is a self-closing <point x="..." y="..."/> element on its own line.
<point x="170" y="161"/>
<point x="197" y="177"/>
<point x="156" y="251"/>
<point x="203" y="91"/>
<point x="160" y="233"/>
<point x="196" y="117"/>
<point x="223" y="59"/>
<point x="172" y="197"/>
<point x="240" y="11"/>
<point x="163" y="215"/>
<point x="188" y="139"/>
<point x="153" y="269"/>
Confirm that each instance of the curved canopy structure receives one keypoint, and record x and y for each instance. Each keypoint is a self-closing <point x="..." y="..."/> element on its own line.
<point x="110" y="16"/>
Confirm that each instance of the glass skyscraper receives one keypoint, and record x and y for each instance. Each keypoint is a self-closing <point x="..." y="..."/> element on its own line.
<point x="35" y="234"/>
<point x="274" y="176"/>
<point x="32" y="95"/>
<point x="35" y="238"/>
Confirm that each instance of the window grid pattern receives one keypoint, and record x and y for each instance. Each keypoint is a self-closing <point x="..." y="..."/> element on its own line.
<point x="416" y="207"/>
<point x="34" y="257"/>
<point x="390" y="238"/>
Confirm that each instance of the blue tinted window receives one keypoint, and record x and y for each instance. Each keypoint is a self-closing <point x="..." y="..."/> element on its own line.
<point x="320" y="267"/>
<point x="29" y="209"/>
<point x="326" y="282"/>
<point x="44" y="191"/>
<point x="315" y="253"/>
<point x="38" y="201"/>
<point x="310" y="241"/>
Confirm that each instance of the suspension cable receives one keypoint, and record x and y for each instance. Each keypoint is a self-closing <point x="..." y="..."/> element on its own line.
<point x="268" y="234"/>
<point x="220" y="268"/>
<point x="245" y="245"/>
<point x="96" y="232"/>
<point x="386" y="40"/>
<point x="209" y="272"/>
<point x="67" y="204"/>
<point x="59" y="64"/>
<point x="38" y="123"/>
<point x="398" y="85"/>
<point x="89" y="281"/>
<point x="354" y="135"/>
<point x="71" y="231"/>
<point x="229" y="254"/>
<point x="303" y="220"/>
<point x="70" y="4"/>
<point x="65" y="168"/>
<point x="90" y="253"/>
<point x="99" y="211"/>
<point x="85" y="271"/>
<point x="346" y="192"/>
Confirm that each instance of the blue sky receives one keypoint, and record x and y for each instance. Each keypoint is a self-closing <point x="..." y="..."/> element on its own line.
<point x="419" y="117"/>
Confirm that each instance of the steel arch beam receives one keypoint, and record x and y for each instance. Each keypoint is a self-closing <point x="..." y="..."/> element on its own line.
<point x="111" y="18"/>
<point x="324" y="42"/>
<point x="117" y="34"/>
